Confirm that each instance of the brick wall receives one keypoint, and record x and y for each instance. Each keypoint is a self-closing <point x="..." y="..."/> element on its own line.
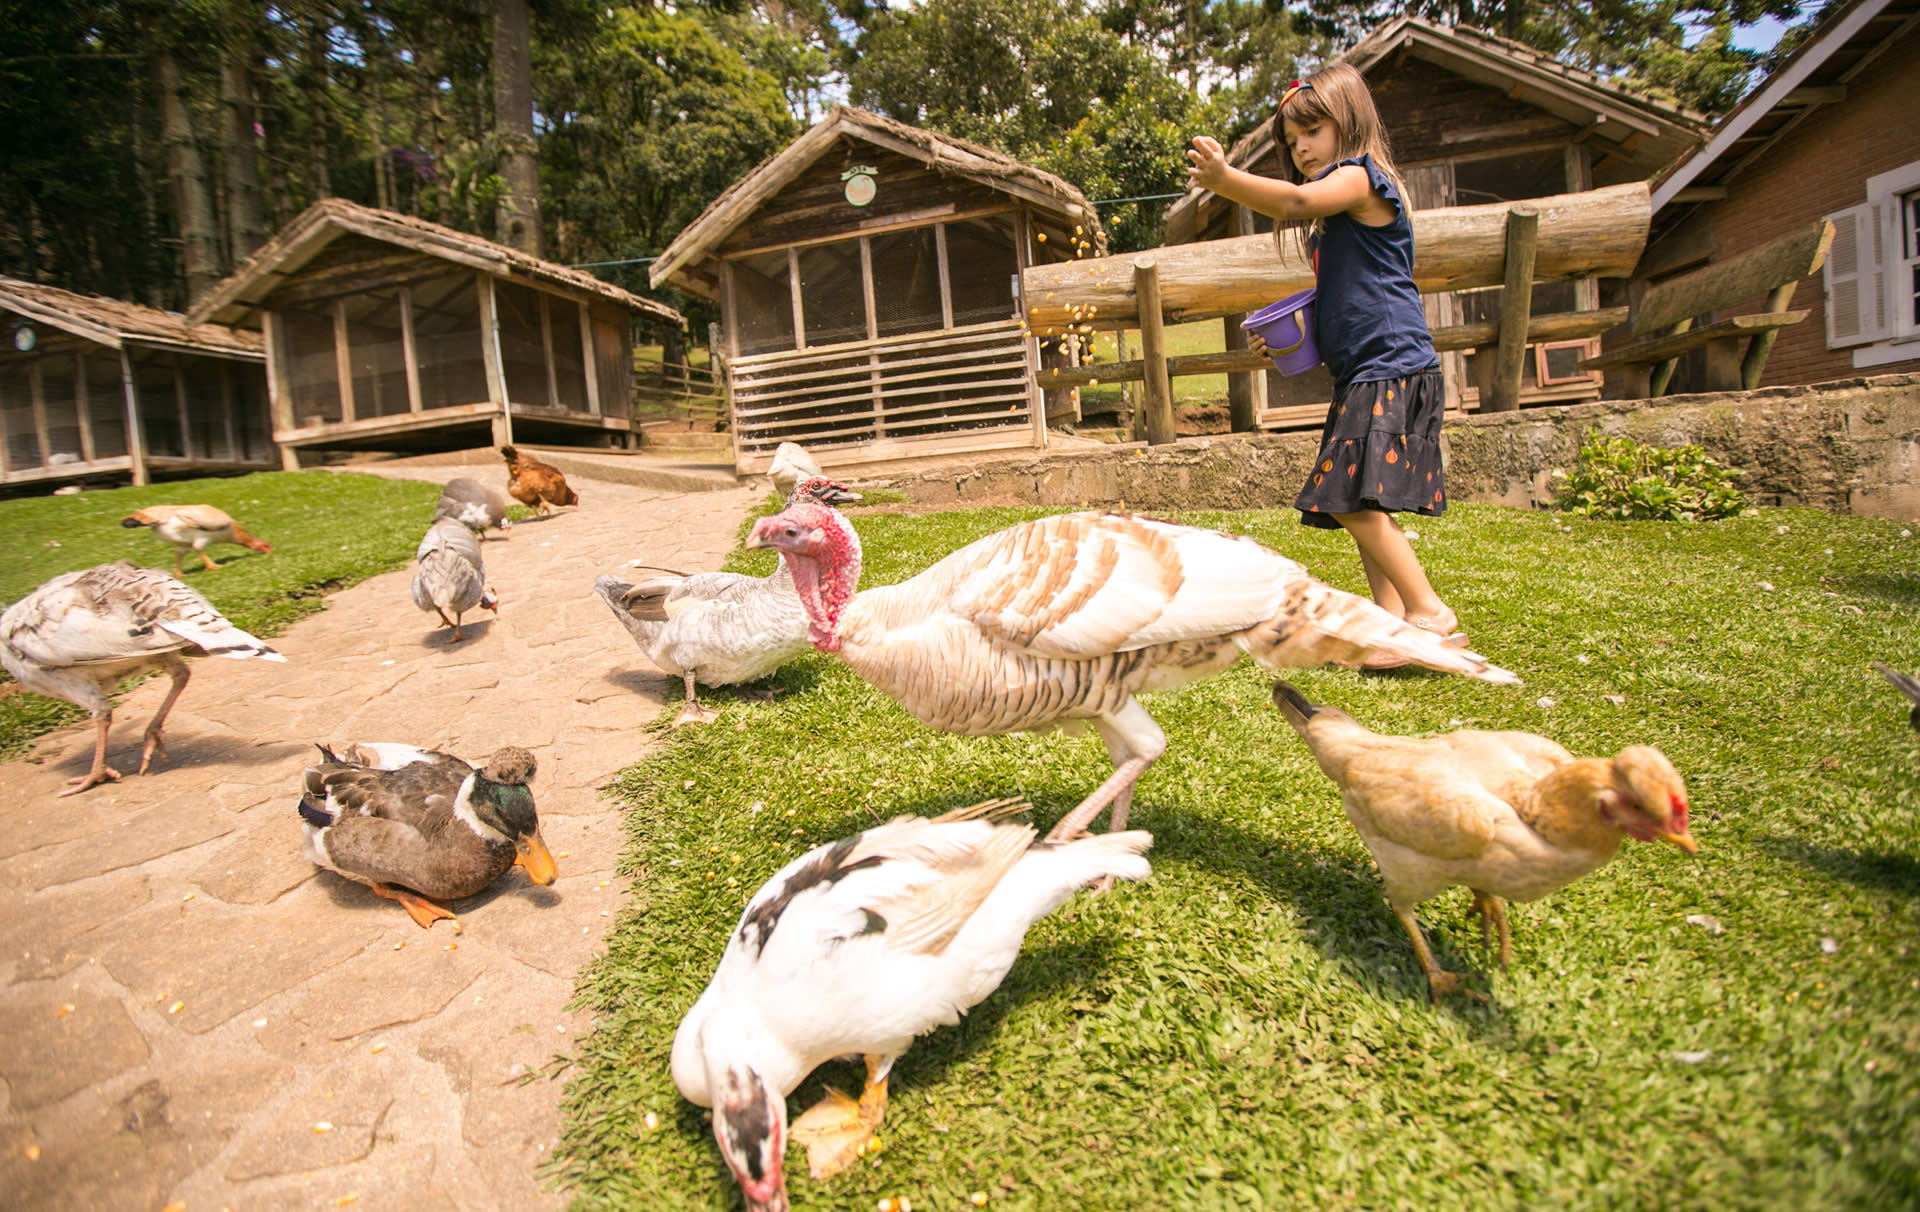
<point x="1820" y="168"/>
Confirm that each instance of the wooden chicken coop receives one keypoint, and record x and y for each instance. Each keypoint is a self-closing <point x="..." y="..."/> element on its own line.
<point x="100" y="389"/>
<point x="1474" y="119"/>
<point x="386" y="332"/>
<point x="868" y="277"/>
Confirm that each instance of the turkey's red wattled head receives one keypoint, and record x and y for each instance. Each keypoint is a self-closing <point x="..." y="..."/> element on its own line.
<point x="823" y="554"/>
<point x="1650" y="800"/>
<point x="750" y="1126"/>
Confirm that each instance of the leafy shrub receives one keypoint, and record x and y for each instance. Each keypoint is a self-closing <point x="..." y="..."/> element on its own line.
<point x="1620" y="478"/>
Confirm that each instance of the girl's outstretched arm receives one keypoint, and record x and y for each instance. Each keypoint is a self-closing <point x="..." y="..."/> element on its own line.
<point x="1344" y="189"/>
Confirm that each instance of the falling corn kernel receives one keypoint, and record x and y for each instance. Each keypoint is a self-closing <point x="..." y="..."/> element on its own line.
<point x="886" y="1205"/>
<point x="978" y="1199"/>
<point x="399" y="946"/>
<point x="1043" y="237"/>
<point x="1079" y="230"/>
<point x="176" y="1007"/>
<point x="187" y="897"/>
<point x="322" y="1127"/>
<point x="652" y="1121"/>
<point x="65" y="1009"/>
<point x="33" y="1152"/>
<point x="377" y="1049"/>
<point x="1093" y="382"/>
<point x="452" y="947"/>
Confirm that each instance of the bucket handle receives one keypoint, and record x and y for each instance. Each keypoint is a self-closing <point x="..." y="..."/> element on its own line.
<point x="1299" y="327"/>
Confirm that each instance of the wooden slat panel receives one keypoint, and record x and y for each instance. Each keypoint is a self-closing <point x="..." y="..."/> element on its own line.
<point x="755" y="390"/>
<point x="948" y="410"/>
<point x="912" y="340"/>
<point x="897" y="429"/>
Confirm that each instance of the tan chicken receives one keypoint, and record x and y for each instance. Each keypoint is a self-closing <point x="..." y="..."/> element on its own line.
<point x="195" y="527"/>
<point x="1510" y="815"/>
<point x="535" y="484"/>
<point x="1061" y="621"/>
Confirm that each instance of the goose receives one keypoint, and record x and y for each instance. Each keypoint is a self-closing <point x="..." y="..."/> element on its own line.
<point x="720" y="628"/>
<point x="1062" y="620"/>
<point x="192" y="527"/>
<point x="414" y="824"/>
<point x="854" y="949"/>
<point x="791" y="467"/>
<point x="80" y="634"/>
<point x="450" y="574"/>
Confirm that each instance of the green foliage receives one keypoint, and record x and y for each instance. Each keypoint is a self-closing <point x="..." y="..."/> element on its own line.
<point x="328" y="531"/>
<point x="1249" y="1029"/>
<point x="1617" y="477"/>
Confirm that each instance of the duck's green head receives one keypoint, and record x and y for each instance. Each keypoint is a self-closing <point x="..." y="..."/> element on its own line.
<point x="502" y="801"/>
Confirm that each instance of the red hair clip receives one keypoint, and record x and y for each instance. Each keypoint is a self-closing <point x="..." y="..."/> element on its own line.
<point x="1293" y="88"/>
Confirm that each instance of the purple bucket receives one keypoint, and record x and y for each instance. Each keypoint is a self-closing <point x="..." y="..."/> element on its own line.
<point x="1287" y="328"/>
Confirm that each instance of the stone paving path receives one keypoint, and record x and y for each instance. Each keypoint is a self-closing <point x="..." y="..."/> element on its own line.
<point x="192" y="1016"/>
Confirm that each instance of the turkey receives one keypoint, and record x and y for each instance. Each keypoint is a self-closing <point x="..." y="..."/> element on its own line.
<point x="1066" y="618"/>
<point x="192" y="527"/>
<point x="450" y="576"/>
<point x="473" y="505"/>
<point x="720" y="628"/>
<point x="80" y="634"/>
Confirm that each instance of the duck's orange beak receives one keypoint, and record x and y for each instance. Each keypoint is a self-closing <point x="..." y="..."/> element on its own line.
<point x="533" y="855"/>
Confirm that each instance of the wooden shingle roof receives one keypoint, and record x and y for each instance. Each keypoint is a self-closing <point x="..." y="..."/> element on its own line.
<point x="115" y="322"/>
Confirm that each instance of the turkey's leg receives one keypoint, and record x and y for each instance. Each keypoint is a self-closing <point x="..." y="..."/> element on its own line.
<point x="1133" y="741"/>
<point x="179" y="673"/>
<point x="101" y="772"/>
<point x="837" y="1130"/>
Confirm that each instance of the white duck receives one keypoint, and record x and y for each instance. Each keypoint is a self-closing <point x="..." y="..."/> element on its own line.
<point x="1066" y="618"/>
<point x="720" y="628"/>
<point x="855" y="948"/>
<point x="450" y="575"/>
<point x="82" y="633"/>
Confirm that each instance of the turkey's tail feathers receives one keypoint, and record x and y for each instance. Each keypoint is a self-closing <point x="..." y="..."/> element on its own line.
<point x="1318" y="623"/>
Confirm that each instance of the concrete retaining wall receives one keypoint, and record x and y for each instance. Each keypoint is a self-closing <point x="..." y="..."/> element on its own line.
<point x="1850" y="446"/>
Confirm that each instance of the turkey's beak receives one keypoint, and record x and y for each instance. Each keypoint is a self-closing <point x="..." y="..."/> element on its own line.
<point x="1680" y="838"/>
<point x="533" y="855"/>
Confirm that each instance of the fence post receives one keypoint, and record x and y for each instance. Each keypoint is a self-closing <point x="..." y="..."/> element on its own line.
<point x="1502" y="392"/>
<point x="1157" y="396"/>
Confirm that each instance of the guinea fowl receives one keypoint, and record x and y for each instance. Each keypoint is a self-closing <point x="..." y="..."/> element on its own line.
<point x="1510" y="815"/>
<point x="412" y="823"/>
<point x="535" y="484"/>
<point x="720" y="628"/>
<point x="192" y="527"/>
<point x="855" y="948"/>
<point x="1066" y="618"/>
<point x="80" y="634"/>
<point x="450" y="575"/>
<point x="473" y="505"/>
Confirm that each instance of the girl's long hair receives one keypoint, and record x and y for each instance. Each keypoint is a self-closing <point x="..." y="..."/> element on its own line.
<point x="1336" y="94"/>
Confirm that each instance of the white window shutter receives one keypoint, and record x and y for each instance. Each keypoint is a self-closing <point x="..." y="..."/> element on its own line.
<point x="1856" y="278"/>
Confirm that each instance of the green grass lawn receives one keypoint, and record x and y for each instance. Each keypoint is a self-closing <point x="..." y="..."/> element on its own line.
<point x="328" y="531"/>
<point x="1249" y="1028"/>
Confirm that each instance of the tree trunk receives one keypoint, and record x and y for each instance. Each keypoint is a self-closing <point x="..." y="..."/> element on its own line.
<point x="192" y="201"/>
<point x="319" y="181"/>
<point x="518" y="218"/>
<point x="246" y="228"/>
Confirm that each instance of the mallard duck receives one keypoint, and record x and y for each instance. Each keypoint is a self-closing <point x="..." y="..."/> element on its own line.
<point x="414" y="824"/>
<point x="720" y="628"/>
<point x="855" y="948"/>
<point x="449" y="574"/>
<point x="82" y="633"/>
<point x="192" y="527"/>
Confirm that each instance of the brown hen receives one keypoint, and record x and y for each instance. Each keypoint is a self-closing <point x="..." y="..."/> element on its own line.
<point x="535" y="484"/>
<point x="1510" y="815"/>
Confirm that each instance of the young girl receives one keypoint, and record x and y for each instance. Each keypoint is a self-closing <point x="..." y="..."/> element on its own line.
<point x="1380" y="447"/>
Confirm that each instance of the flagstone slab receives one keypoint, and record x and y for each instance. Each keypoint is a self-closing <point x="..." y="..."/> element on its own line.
<point x="259" y="866"/>
<point x="60" y="1040"/>
<point x="175" y="824"/>
<point x="386" y="987"/>
<point x="49" y="933"/>
<point x="330" y="1123"/>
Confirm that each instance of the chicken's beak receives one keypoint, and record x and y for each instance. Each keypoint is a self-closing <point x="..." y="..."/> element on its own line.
<point x="1680" y="838"/>
<point x="534" y="856"/>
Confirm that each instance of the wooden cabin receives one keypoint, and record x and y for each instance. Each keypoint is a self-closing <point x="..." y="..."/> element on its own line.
<point x="868" y="280"/>
<point x="386" y="332"/>
<point x="1473" y="118"/>
<point x="101" y="389"/>
<point x="1830" y="135"/>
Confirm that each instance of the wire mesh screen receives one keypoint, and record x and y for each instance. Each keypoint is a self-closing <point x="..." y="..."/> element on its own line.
<point x="981" y="269"/>
<point x="833" y="293"/>
<point x="377" y="353"/>
<point x="154" y="383"/>
<point x="313" y="375"/>
<point x="106" y="406"/>
<point x="446" y="338"/>
<point x="763" y="303"/>
<point x="205" y="381"/>
<point x="16" y="406"/>
<point x="253" y="437"/>
<point x="522" y="351"/>
<point x="569" y="358"/>
<point x="57" y="397"/>
<point x="906" y="282"/>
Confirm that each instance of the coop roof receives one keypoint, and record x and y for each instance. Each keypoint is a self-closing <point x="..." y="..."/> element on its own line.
<point x="115" y="322"/>
<point x="1612" y="116"/>
<point x="235" y="300"/>
<point x="941" y="153"/>
<point x="1849" y="42"/>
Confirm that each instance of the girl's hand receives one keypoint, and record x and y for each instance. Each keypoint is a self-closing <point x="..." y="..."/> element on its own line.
<point x="1258" y="344"/>
<point x="1206" y="164"/>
